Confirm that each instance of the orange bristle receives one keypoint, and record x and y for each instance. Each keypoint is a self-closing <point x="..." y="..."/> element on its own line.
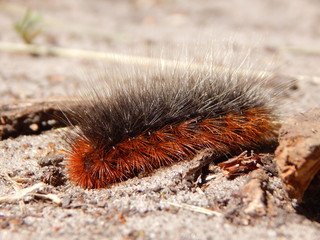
<point x="97" y="168"/>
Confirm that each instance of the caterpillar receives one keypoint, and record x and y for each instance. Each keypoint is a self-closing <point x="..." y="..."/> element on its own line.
<point x="147" y="119"/>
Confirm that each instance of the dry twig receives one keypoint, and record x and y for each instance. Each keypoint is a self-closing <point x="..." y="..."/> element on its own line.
<point x="41" y="50"/>
<point x="22" y="193"/>
<point x="29" y="191"/>
<point x="196" y="209"/>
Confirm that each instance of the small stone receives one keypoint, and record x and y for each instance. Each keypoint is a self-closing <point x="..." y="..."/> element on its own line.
<point x="66" y="200"/>
<point x="34" y="127"/>
<point x="52" y="159"/>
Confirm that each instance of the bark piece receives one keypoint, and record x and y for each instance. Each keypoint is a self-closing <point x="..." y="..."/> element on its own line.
<point x="298" y="153"/>
<point x="254" y="194"/>
<point x="249" y="204"/>
<point x="34" y="116"/>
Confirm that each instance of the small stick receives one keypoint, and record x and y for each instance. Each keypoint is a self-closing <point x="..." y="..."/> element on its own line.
<point x="17" y="188"/>
<point x="196" y="209"/>
<point x="30" y="191"/>
<point x="20" y="194"/>
<point x="41" y="50"/>
<point x="54" y="198"/>
<point x="303" y="50"/>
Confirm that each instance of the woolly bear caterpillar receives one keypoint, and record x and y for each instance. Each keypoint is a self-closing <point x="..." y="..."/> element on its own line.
<point x="149" y="119"/>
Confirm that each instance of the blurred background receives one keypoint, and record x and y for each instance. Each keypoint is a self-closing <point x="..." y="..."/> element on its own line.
<point x="285" y="32"/>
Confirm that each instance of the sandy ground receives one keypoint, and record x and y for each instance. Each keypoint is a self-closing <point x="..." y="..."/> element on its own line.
<point x="285" y="33"/>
